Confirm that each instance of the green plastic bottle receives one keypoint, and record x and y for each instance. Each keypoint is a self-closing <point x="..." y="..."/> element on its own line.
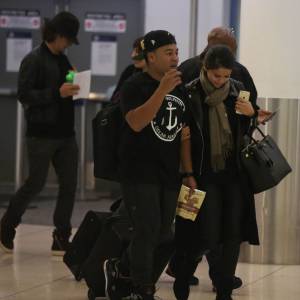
<point x="70" y="77"/>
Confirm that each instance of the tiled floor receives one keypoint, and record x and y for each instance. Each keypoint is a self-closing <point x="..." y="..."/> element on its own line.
<point x="33" y="274"/>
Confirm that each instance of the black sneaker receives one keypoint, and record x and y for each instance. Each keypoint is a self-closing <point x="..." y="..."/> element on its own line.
<point x="236" y="283"/>
<point x="133" y="296"/>
<point x="111" y="274"/>
<point x="139" y="296"/>
<point x="60" y="244"/>
<point x="145" y="292"/>
<point x="222" y="297"/>
<point x="181" y="290"/>
<point x="7" y="236"/>
<point x="92" y="295"/>
<point x="193" y="280"/>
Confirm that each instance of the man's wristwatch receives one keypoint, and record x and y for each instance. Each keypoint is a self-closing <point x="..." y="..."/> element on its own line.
<point x="187" y="174"/>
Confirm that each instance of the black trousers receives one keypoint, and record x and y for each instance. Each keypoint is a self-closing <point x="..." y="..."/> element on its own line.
<point x="219" y="222"/>
<point x="151" y="209"/>
<point x="63" y="154"/>
<point x="214" y="260"/>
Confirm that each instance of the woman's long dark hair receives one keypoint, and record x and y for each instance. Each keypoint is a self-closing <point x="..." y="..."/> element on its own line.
<point x="218" y="56"/>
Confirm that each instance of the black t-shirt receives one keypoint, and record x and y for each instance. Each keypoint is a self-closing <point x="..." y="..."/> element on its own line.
<point x="153" y="154"/>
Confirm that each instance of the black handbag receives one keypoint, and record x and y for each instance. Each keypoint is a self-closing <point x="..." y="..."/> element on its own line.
<point x="264" y="163"/>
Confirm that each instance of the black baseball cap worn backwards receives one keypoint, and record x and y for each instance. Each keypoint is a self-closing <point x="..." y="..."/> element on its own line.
<point x="67" y="25"/>
<point x="156" y="39"/>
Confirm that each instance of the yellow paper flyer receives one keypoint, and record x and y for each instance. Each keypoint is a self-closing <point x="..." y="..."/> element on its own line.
<point x="188" y="207"/>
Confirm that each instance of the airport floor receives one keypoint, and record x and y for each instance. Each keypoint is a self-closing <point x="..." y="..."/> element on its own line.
<point x="31" y="273"/>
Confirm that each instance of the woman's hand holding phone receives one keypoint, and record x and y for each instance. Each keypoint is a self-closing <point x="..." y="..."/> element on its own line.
<point x="243" y="105"/>
<point x="264" y="116"/>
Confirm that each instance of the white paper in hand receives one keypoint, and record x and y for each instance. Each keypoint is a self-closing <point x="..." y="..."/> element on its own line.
<point x="83" y="79"/>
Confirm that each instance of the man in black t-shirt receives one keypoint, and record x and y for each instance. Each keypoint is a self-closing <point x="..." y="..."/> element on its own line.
<point x="154" y="139"/>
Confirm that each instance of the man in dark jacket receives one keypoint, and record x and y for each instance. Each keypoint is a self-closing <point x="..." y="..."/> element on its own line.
<point x="138" y="65"/>
<point x="224" y="36"/>
<point x="50" y="135"/>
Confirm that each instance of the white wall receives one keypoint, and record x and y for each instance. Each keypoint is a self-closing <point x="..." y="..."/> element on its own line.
<point x="171" y="15"/>
<point x="174" y="16"/>
<point x="270" y="46"/>
<point x="211" y="14"/>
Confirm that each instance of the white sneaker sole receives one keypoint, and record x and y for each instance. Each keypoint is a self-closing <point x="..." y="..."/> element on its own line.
<point x="6" y="250"/>
<point x="58" y="253"/>
<point x="105" y="275"/>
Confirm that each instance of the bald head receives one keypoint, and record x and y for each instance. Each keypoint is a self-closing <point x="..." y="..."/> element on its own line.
<point x="222" y="36"/>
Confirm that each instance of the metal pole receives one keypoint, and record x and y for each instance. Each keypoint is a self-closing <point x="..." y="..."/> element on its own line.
<point x="82" y="150"/>
<point x="193" y="28"/>
<point x="19" y="146"/>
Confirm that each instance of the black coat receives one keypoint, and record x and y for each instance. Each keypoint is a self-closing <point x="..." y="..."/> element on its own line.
<point x="41" y="75"/>
<point x="191" y="69"/>
<point x="196" y="95"/>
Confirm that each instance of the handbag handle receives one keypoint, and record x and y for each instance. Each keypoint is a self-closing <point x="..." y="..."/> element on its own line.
<point x="264" y="157"/>
<point x="260" y="131"/>
<point x="253" y="129"/>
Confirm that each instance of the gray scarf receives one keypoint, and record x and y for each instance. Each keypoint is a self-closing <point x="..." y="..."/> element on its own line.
<point x="219" y="129"/>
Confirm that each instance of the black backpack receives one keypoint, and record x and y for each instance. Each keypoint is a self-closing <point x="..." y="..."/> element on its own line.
<point x="106" y="138"/>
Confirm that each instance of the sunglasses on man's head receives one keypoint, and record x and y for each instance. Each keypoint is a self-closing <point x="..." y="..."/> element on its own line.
<point x="138" y="57"/>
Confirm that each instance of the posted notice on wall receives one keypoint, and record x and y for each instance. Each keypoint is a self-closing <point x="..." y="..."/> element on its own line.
<point x="20" y="18"/>
<point x="18" y="44"/>
<point x="105" y="22"/>
<point x="104" y="55"/>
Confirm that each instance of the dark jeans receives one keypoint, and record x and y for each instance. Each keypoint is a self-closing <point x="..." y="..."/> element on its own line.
<point x="213" y="259"/>
<point x="63" y="154"/>
<point x="151" y="209"/>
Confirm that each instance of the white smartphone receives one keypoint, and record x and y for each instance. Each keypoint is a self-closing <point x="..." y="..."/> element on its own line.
<point x="244" y="95"/>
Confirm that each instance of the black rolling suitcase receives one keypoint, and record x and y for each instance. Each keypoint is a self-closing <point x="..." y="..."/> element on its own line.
<point x="84" y="241"/>
<point x="113" y="240"/>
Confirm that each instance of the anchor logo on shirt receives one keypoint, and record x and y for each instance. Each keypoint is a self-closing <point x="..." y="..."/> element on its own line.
<point x="169" y="120"/>
<point x="170" y="108"/>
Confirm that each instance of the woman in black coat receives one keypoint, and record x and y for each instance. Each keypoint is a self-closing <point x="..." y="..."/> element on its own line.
<point x="227" y="216"/>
